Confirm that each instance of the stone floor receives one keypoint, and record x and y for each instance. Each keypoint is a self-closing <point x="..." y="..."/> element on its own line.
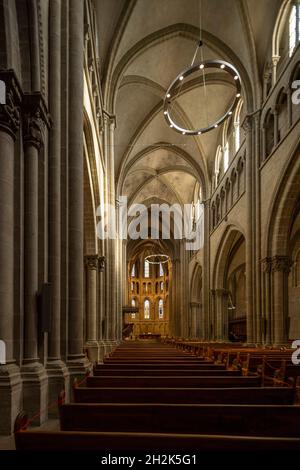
<point x="8" y="442"/>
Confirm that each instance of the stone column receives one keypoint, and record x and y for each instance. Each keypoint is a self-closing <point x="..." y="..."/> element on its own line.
<point x="266" y="302"/>
<point x="110" y="322"/>
<point x="10" y="380"/>
<point x="77" y="361"/>
<point x="206" y="271"/>
<point x="101" y="307"/>
<point x="113" y="243"/>
<point x="221" y="316"/>
<point x="275" y="60"/>
<point x="280" y="270"/>
<point x="249" y="230"/>
<point x="257" y="259"/>
<point x="58" y="375"/>
<point x="35" y="381"/>
<point x="91" y="263"/>
<point x="213" y="316"/>
<point x="176" y="331"/>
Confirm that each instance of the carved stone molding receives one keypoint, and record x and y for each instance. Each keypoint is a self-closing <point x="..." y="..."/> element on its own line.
<point x="35" y="119"/>
<point x="101" y="263"/>
<point x="266" y="264"/>
<point x="281" y="263"/>
<point x="91" y="261"/>
<point x="10" y="111"/>
<point x="247" y="124"/>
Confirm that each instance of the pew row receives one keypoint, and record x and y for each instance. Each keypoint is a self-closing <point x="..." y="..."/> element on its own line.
<point x="166" y="372"/>
<point x="174" y="382"/>
<point x="248" y="420"/>
<point x="163" y="365"/>
<point x="97" y="441"/>
<point x="254" y="395"/>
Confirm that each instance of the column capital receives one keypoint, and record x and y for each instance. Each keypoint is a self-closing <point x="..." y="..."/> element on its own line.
<point x="275" y="60"/>
<point x="109" y="119"/>
<point x="266" y="264"/>
<point x="10" y="103"/>
<point x="247" y="123"/>
<point x="101" y="263"/>
<point x="281" y="263"/>
<point x="91" y="261"/>
<point x="35" y="118"/>
<point x="221" y="292"/>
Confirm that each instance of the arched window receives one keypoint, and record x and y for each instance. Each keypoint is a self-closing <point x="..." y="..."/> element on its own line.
<point x="294" y="28"/>
<point x="146" y="269"/>
<point x="147" y="309"/>
<point x="226" y="157"/>
<point x="161" y="270"/>
<point x="218" y="164"/>
<point x="133" y="272"/>
<point x="133" y="304"/>
<point x="162" y="286"/>
<point x="237" y="126"/>
<point x="160" y="309"/>
<point x="132" y="286"/>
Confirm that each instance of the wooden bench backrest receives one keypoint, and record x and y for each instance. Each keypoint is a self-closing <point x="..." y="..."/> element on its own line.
<point x="259" y="395"/>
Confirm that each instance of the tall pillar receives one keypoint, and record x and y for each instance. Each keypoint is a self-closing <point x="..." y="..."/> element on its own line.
<point x="280" y="270"/>
<point x="249" y="232"/>
<point x="213" y="318"/>
<point x="58" y="375"/>
<point x="10" y="380"/>
<point x="267" y="322"/>
<point x="77" y="362"/>
<point x="114" y="243"/>
<point x="257" y="257"/>
<point x="35" y="380"/>
<point x="111" y="245"/>
<point x="101" y="307"/>
<point x="206" y="271"/>
<point x="221" y="314"/>
<point x="91" y="263"/>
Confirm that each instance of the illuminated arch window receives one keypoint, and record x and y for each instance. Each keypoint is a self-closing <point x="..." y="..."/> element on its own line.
<point x="161" y="270"/>
<point x="147" y="309"/>
<point x="218" y="164"/>
<point x="226" y="157"/>
<point x="133" y="304"/>
<point x="133" y="271"/>
<point x="160" y="309"/>
<point x="237" y="135"/>
<point x="146" y="269"/>
<point x="294" y="28"/>
<point x="162" y="286"/>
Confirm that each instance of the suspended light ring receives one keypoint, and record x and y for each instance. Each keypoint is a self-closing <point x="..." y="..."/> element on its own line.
<point x="152" y="259"/>
<point x="177" y="82"/>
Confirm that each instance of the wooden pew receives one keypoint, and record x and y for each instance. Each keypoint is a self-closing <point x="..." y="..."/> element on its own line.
<point x="72" y="440"/>
<point x="174" y="382"/>
<point x="247" y="420"/>
<point x="254" y="395"/>
<point x="167" y="365"/>
<point x="138" y="360"/>
<point x="165" y="372"/>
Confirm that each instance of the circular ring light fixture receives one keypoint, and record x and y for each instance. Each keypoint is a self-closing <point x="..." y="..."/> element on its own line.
<point x="206" y="64"/>
<point x="157" y="259"/>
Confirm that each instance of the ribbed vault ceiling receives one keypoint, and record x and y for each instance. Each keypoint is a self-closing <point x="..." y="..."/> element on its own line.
<point x="144" y="45"/>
